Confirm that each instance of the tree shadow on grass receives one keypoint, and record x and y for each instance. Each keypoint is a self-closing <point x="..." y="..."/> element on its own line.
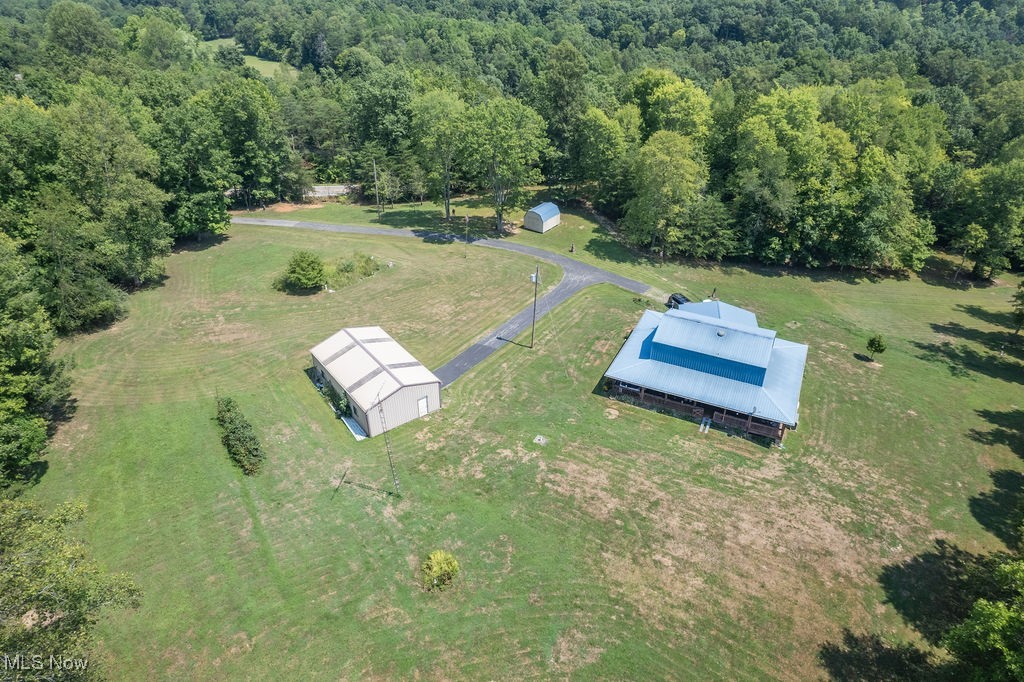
<point x="60" y="412"/>
<point x="999" y="509"/>
<point x="1008" y="431"/>
<point x="299" y="291"/>
<point x="199" y="242"/>
<point x="998" y="318"/>
<point x="867" y="657"/>
<point x="935" y="590"/>
<point x="939" y="272"/>
<point x="607" y="247"/>
<point x="962" y="360"/>
<point x="1003" y="342"/>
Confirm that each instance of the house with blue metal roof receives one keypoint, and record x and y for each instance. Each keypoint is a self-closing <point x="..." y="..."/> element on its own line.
<point x="713" y="361"/>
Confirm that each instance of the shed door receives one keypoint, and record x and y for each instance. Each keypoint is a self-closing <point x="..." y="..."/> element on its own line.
<point x="422" y="405"/>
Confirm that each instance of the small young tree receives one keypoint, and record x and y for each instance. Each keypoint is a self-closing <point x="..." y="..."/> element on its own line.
<point x="876" y="345"/>
<point x="305" y="271"/>
<point x="439" y="570"/>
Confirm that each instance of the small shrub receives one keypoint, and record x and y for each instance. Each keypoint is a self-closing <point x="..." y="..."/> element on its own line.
<point x="339" y="401"/>
<point x="439" y="570"/>
<point x="366" y="266"/>
<point x="351" y="270"/>
<point x="305" y="271"/>
<point x="239" y="437"/>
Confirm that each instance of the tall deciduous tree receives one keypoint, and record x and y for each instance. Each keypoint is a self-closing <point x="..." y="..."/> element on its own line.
<point x="250" y="120"/>
<point x="69" y="269"/>
<point x="437" y="124"/>
<point x="382" y="107"/>
<point x="968" y="242"/>
<point x="989" y="640"/>
<point x="681" y="106"/>
<point x="51" y="589"/>
<point x="641" y="91"/>
<point x="598" y="147"/>
<point x="28" y="148"/>
<point x="562" y="97"/>
<point x="78" y="29"/>
<point x="883" y="231"/>
<point x="792" y="178"/>
<point x="880" y="113"/>
<point x="33" y="387"/>
<point x="502" y="149"/>
<point x="998" y="206"/>
<point x="195" y="167"/>
<point x="672" y="212"/>
<point x="110" y="172"/>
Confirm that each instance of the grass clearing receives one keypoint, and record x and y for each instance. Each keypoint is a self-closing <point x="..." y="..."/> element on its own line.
<point x="265" y="67"/>
<point x="628" y="546"/>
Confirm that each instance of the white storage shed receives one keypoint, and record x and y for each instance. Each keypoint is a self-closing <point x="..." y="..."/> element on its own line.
<point x="386" y="386"/>
<point x="542" y="217"/>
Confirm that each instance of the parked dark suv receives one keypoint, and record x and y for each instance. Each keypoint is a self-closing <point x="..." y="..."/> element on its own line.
<point x="676" y="300"/>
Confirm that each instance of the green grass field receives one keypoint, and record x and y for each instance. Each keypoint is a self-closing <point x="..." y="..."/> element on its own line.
<point x="627" y="547"/>
<point x="265" y="67"/>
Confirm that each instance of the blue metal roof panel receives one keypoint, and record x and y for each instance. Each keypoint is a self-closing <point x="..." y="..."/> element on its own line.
<point x="546" y="210"/>
<point x="721" y="311"/>
<point x="730" y="369"/>
<point x="714" y="337"/>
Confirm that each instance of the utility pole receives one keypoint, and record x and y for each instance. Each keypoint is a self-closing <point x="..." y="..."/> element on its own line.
<point x="465" y="252"/>
<point x="536" y="283"/>
<point x="376" y="191"/>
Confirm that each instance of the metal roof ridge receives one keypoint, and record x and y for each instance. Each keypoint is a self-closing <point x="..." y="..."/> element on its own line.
<point x="680" y="314"/>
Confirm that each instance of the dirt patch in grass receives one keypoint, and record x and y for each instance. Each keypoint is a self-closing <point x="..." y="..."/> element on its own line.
<point x="221" y="332"/>
<point x="757" y="543"/>
<point x="572" y="651"/>
<point x="588" y="485"/>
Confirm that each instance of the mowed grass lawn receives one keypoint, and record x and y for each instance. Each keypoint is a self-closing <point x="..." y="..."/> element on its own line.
<point x="627" y="547"/>
<point x="264" y="67"/>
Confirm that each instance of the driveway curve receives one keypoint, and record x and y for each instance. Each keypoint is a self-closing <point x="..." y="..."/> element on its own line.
<point x="576" y="276"/>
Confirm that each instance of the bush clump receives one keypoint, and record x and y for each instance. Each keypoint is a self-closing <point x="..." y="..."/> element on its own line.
<point x="439" y="570"/>
<point x="239" y="437"/>
<point x="351" y="270"/>
<point x="305" y="272"/>
<point x="339" y="401"/>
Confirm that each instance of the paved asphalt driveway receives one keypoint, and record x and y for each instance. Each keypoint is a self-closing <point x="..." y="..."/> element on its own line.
<point x="576" y="276"/>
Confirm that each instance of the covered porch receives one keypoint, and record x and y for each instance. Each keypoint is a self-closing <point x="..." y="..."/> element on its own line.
<point x="747" y="423"/>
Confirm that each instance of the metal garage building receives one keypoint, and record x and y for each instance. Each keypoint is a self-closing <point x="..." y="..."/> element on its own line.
<point x="386" y="386"/>
<point x="542" y="217"/>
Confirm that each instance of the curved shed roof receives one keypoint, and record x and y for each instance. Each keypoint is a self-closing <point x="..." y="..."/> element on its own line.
<point x="546" y="210"/>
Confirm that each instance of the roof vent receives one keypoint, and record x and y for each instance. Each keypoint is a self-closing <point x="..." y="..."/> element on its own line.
<point x="721" y="332"/>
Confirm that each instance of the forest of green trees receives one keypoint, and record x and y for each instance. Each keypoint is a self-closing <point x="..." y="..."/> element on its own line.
<point x="820" y="133"/>
<point x="815" y="134"/>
